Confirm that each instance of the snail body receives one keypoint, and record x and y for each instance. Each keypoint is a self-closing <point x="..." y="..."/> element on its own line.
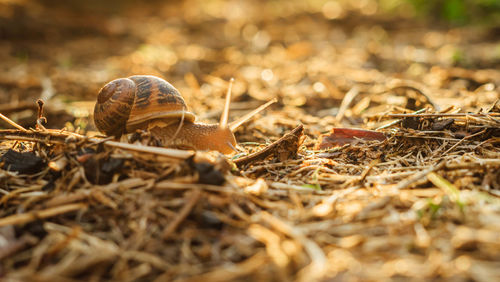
<point x="198" y="136"/>
<point x="150" y="103"/>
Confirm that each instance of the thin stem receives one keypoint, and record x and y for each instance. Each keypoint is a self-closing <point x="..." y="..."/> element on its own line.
<point x="11" y="122"/>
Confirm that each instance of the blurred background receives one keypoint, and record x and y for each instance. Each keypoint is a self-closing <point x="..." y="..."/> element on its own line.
<point x="306" y="53"/>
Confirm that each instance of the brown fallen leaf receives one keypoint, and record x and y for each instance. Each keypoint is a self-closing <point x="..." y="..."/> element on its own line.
<point x="342" y="136"/>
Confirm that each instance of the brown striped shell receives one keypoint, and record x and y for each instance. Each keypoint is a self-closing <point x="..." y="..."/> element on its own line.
<point x="126" y="104"/>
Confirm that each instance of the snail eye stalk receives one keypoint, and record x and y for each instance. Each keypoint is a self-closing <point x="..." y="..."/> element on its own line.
<point x="235" y="124"/>
<point x="225" y="113"/>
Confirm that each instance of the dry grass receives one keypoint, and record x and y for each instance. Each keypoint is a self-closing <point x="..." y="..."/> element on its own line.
<point x="419" y="205"/>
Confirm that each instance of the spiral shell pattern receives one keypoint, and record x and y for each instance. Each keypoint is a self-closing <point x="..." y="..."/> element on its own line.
<point x="113" y="107"/>
<point x="127" y="104"/>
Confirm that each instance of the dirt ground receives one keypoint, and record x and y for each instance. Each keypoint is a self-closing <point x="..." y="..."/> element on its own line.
<point x="415" y="197"/>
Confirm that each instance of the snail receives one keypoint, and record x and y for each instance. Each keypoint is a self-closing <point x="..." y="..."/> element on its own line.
<point x="150" y="103"/>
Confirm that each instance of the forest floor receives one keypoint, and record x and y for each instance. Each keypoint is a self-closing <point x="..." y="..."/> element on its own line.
<point x="415" y="196"/>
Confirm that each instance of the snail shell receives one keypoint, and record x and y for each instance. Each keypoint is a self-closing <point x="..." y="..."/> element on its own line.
<point x="127" y="104"/>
